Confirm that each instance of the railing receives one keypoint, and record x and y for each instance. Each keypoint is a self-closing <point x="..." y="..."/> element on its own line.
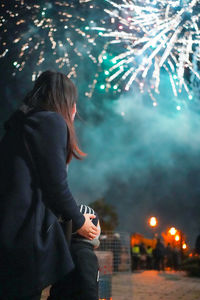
<point x="115" y="280"/>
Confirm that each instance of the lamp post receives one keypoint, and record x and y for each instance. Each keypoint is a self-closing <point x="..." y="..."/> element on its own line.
<point x="153" y="223"/>
<point x="178" y="237"/>
<point x="174" y="236"/>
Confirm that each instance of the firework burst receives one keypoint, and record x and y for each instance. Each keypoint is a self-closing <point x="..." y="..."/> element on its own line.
<point x="44" y="35"/>
<point x="125" y="40"/>
<point x="151" y="37"/>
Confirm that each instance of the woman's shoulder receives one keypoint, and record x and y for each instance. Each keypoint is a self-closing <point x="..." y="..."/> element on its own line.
<point x="47" y="125"/>
<point x="46" y="119"/>
<point x="45" y="115"/>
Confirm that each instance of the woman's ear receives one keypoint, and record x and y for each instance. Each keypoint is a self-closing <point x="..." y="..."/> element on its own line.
<point x="73" y="111"/>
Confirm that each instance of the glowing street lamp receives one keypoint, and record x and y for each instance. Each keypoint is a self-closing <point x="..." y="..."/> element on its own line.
<point x="177" y="237"/>
<point x="153" y="222"/>
<point x="172" y="230"/>
<point x="184" y="246"/>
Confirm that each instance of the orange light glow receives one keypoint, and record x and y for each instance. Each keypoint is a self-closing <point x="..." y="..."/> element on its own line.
<point x="172" y="230"/>
<point x="153" y="222"/>
<point x="184" y="246"/>
<point x="177" y="238"/>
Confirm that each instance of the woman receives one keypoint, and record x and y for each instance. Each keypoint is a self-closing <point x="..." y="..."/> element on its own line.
<point x="34" y="193"/>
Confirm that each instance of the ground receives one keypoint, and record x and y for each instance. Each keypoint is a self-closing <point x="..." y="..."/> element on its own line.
<point x="153" y="285"/>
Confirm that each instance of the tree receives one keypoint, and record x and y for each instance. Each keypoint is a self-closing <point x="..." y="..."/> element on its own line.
<point x="107" y="214"/>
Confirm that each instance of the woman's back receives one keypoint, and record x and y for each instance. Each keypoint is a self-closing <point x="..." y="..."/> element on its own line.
<point x="32" y="241"/>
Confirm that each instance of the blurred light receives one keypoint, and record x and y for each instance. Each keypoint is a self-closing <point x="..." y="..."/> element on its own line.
<point x="115" y="87"/>
<point x="102" y="86"/>
<point x="190" y="97"/>
<point x="123" y="113"/>
<point x="177" y="238"/>
<point x="112" y="20"/>
<point x="107" y="72"/>
<point x="184" y="246"/>
<point x="87" y="28"/>
<point x="172" y="230"/>
<point x="153" y="221"/>
<point x="105" y="57"/>
<point x="155" y="103"/>
<point x="178" y="107"/>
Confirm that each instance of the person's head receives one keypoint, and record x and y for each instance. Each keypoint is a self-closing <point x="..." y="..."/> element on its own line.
<point x="54" y="91"/>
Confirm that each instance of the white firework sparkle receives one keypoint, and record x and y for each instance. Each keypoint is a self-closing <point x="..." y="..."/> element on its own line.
<point x="153" y="36"/>
<point x="43" y="34"/>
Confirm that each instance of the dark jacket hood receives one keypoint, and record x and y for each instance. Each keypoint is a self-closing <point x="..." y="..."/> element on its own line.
<point x="15" y="119"/>
<point x="19" y="116"/>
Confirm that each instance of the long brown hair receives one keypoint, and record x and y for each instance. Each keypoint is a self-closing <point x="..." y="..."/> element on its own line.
<point x="54" y="91"/>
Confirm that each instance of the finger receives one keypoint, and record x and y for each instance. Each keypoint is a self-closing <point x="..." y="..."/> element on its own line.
<point x="92" y="236"/>
<point x="93" y="232"/>
<point x="91" y="216"/>
<point x="93" y="227"/>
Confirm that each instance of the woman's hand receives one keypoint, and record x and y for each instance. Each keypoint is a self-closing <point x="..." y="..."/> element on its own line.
<point x="88" y="230"/>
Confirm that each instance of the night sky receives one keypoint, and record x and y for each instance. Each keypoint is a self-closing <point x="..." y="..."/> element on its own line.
<point x="144" y="160"/>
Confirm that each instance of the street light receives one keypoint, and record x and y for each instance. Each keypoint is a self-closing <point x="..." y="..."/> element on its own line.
<point x="172" y="230"/>
<point x="184" y="246"/>
<point x="153" y="222"/>
<point x="177" y="238"/>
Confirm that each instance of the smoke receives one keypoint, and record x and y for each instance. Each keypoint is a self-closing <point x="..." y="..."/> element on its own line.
<point x="144" y="161"/>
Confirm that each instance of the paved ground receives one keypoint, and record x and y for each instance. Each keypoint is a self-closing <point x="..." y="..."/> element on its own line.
<point x="153" y="285"/>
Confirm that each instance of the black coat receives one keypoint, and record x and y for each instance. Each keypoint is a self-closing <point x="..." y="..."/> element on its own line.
<point x="33" y="249"/>
<point x="82" y="282"/>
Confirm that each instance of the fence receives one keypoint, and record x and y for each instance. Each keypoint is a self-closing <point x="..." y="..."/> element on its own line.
<point x="115" y="281"/>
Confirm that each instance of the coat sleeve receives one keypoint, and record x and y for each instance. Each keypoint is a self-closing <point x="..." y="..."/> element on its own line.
<point x="46" y="136"/>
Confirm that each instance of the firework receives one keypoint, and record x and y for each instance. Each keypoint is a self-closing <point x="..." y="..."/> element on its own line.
<point x="44" y="35"/>
<point x="151" y="38"/>
<point x="123" y="41"/>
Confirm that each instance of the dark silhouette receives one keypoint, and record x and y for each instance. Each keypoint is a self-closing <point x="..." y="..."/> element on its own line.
<point x="176" y="258"/>
<point x="169" y="256"/>
<point x="149" y="261"/>
<point x="135" y="256"/>
<point x="197" y="245"/>
<point x="159" y="255"/>
<point x="143" y="256"/>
